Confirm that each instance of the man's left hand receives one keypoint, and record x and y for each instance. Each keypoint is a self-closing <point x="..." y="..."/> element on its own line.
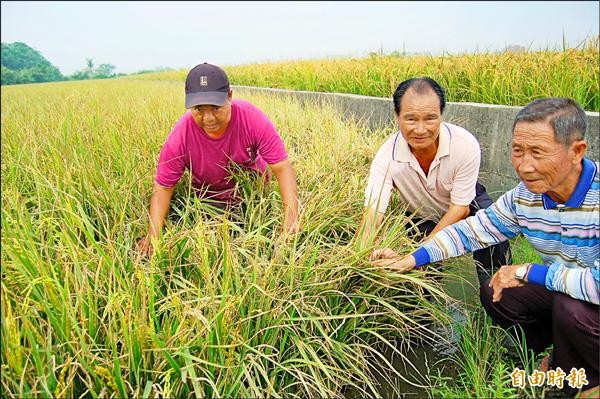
<point x="504" y="278"/>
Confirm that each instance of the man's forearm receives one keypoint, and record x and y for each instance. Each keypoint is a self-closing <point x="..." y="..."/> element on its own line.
<point x="290" y="208"/>
<point x="160" y="204"/>
<point x="286" y="178"/>
<point x="370" y="222"/>
<point x="454" y="214"/>
<point x="157" y="221"/>
<point x="485" y="228"/>
<point x="581" y="283"/>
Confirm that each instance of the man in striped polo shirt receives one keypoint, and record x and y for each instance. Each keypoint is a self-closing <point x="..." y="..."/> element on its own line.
<point x="556" y="208"/>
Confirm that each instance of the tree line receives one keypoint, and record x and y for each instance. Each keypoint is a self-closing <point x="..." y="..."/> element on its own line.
<point x="23" y="64"/>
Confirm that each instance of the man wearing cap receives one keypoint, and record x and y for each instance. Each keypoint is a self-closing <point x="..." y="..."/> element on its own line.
<point x="216" y="134"/>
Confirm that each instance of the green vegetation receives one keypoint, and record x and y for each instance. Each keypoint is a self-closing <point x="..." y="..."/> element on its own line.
<point x="486" y="354"/>
<point x="484" y="363"/>
<point x="226" y="307"/>
<point x="523" y="251"/>
<point x="102" y="71"/>
<point x="153" y="70"/>
<point x="22" y="64"/>
<point x="509" y="78"/>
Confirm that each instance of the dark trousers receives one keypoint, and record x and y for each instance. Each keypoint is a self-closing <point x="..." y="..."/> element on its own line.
<point x="547" y="317"/>
<point x="488" y="260"/>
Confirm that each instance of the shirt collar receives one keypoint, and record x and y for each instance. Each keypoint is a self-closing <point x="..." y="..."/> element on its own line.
<point x="401" y="151"/>
<point x="444" y="147"/>
<point x="588" y="173"/>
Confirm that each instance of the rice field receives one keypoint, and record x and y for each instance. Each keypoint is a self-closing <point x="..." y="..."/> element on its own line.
<point x="225" y="307"/>
<point x="509" y="78"/>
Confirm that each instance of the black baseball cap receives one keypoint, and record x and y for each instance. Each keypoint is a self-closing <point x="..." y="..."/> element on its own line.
<point x="206" y="84"/>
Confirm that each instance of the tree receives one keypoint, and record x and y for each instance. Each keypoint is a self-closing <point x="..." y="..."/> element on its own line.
<point x="89" y="70"/>
<point x="102" y="71"/>
<point x="23" y="64"/>
<point x="8" y="76"/>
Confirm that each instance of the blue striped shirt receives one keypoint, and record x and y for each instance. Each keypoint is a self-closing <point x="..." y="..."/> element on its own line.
<point x="566" y="236"/>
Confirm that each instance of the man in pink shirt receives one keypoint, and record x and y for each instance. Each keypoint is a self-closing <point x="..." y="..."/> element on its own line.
<point x="214" y="136"/>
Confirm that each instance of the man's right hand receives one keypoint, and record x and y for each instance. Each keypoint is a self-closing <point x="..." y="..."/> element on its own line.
<point x="144" y="247"/>
<point x="384" y="253"/>
<point x="388" y="259"/>
<point x="159" y="207"/>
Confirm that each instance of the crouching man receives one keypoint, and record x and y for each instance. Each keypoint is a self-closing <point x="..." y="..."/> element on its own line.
<point x="556" y="208"/>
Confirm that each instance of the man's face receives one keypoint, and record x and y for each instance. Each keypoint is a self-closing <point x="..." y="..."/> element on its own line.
<point x="542" y="163"/>
<point x="213" y="119"/>
<point x="419" y="119"/>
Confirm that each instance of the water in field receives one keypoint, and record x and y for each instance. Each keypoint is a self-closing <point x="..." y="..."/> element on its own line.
<point x="431" y="358"/>
<point x="428" y="359"/>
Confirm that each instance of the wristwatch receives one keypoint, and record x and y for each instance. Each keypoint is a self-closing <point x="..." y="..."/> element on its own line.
<point x="521" y="272"/>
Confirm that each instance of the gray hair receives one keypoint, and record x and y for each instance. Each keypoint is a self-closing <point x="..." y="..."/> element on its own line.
<point x="565" y="115"/>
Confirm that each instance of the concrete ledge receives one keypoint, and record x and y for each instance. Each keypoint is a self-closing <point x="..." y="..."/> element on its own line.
<point x="490" y="123"/>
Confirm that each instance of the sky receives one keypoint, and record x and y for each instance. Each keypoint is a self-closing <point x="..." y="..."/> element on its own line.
<point x="134" y="36"/>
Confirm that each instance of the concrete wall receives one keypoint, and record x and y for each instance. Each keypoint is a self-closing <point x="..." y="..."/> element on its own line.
<point x="491" y="124"/>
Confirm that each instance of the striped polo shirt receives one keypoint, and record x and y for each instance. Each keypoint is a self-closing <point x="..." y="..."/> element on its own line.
<point x="566" y="236"/>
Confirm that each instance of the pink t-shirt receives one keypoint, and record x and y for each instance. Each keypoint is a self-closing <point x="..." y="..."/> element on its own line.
<point x="250" y="141"/>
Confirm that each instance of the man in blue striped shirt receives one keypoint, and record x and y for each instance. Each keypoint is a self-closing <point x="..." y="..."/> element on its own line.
<point x="556" y="208"/>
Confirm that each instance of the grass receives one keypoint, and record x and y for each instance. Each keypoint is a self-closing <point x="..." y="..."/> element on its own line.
<point x="484" y="363"/>
<point x="480" y="359"/>
<point x="523" y="251"/>
<point x="226" y="307"/>
<point x="485" y="354"/>
<point x="496" y="78"/>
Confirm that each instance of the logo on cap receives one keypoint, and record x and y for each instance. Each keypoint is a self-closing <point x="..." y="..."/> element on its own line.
<point x="203" y="81"/>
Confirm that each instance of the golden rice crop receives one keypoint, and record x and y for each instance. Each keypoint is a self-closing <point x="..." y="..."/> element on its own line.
<point x="225" y="308"/>
<point x="509" y="78"/>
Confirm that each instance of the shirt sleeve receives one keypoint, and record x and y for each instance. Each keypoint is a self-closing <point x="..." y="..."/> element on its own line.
<point x="171" y="161"/>
<point x="498" y="223"/>
<point x="465" y="178"/>
<point x="379" y="186"/>
<point x="487" y="227"/>
<point x="580" y="283"/>
<point x="270" y="145"/>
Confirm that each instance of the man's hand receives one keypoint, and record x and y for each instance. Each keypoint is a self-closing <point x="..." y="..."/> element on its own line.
<point x="389" y="259"/>
<point x="286" y="178"/>
<point x="504" y="278"/>
<point x="144" y="247"/>
<point x="288" y="232"/>
<point x="292" y="225"/>
<point x="384" y="253"/>
<point x="159" y="207"/>
<point x="398" y="265"/>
